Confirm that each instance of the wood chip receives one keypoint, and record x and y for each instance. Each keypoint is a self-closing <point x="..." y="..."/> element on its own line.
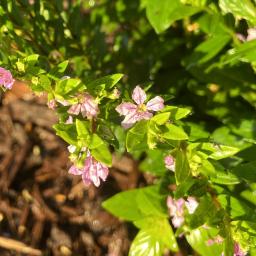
<point x="11" y="244"/>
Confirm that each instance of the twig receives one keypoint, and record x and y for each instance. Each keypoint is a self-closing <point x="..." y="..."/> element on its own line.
<point x="11" y="244"/>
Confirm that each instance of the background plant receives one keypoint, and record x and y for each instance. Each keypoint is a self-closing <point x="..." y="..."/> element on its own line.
<point x="198" y="55"/>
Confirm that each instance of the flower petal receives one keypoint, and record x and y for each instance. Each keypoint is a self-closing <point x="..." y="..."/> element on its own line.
<point x="177" y="221"/>
<point x="191" y="204"/>
<point x="139" y="95"/>
<point x="129" y="120"/>
<point x="169" y="163"/>
<point x="74" y="170"/>
<point x="75" y="109"/>
<point x="6" y="78"/>
<point x="89" y="107"/>
<point x="171" y="205"/>
<point x="69" y="120"/>
<point x="102" y="171"/>
<point x="251" y="34"/>
<point x="144" y="115"/>
<point x="86" y="179"/>
<point x="155" y="104"/>
<point x="126" y="108"/>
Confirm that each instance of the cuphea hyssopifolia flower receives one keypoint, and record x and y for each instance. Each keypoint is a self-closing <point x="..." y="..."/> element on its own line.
<point x="177" y="209"/>
<point x="90" y="169"/>
<point x="141" y="110"/>
<point x="86" y="105"/>
<point x="6" y="79"/>
<point x="169" y="163"/>
<point x="84" y="164"/>
<point x="237" y="250"/>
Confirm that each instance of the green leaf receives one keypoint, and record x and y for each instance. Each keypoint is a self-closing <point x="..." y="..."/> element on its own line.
<point x="137" y="203"/>
<point x="208" y="49"/>
<point x="161" y="14"/>
<point x="219" y="151"/>
<point x="100" y="150"/>
<point x="237" y="209"/>
<point x="145" y="244"/>
<point x="246" y="171"/>
<point x="244" y="52"/>
<point x="58" y="71"/>
<point x="106" y="82"/>
<point x="244" y="9"/>
<point x="213" y="23"/>
<point x="207" y="168"/>
<point x="151" y="227"/>
<point x="151" y="202"/>
<point x="183" y="188"/>
<point x="67" y="132"/>
<point x="198" y="240"/>
<point x="223" y="176"/>
<point x="182" y="170"/>
<point x="136" y="137"/>
<point x="176" y="112"/>
<point x="161" y="118"/>
<point x="154" y="163"/>
<point x="204" y="213"/>
<point x="173" y="132"/>
<point x="67" y="86"/>
<point x="196" y="131"/>
<point x="199" y="3"/>
<point x="32" y="59"/>
<point x="82" y="128"/>
<point x="124" y="205"/>
<point x="45" y="83"/>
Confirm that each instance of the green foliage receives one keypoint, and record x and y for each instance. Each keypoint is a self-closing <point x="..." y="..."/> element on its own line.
<point x="190" y="53"/>
<point x="162" y="14"/>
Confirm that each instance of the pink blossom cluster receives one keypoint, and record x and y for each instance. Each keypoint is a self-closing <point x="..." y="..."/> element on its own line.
<point x="141" y="110"/>
<point x="86" y="105"/>
<point x="177" y="209"/>
<point x="92" y="171"/>
<point x="237" y="250"/>
<point x="169" y="163"/>
<point x="6" y="79"/>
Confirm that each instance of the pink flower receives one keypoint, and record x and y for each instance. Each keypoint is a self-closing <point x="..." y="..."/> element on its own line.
<point x="169" y="163"/>
<point x="87" y="106"/>
<point x="238" y="251"/>
<point x="92" y="171"/>
<point x="69" y="120"/>
<point x="251" y="35"/>
<point x="217" y="240"/>
<point x="6" y="78"/>
<point x="176" y="210"/>
<point x="134" y="113"/>
<point x="191" y="204"/>
<point x="52" y="104"/>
